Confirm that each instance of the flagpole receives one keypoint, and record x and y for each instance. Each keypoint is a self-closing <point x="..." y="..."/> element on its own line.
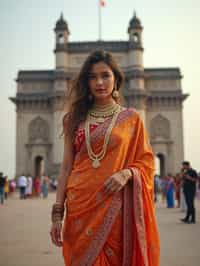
<point x="99" y="11"/>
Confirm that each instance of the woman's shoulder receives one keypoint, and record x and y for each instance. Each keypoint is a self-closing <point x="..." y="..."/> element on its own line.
<point x="130" y="112"/>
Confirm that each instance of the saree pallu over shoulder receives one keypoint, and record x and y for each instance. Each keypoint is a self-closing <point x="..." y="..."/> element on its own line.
<point x="91" y="214"/>
<point x="146" y="247"/>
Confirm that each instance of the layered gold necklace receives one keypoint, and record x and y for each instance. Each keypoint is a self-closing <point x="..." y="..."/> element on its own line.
<point x="100" y="114"/>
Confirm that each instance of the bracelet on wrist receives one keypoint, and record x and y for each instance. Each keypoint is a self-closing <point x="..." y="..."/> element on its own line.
<point x="57" y="212"/>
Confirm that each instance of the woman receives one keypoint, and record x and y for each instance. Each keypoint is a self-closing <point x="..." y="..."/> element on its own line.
<point x="106" y="176"/>
<point x="178" y="188"/>
<point x="170" y="191"/>
<point x="45" y="186"/>
<point x="29" y="187"/>
<point x="163" y="188"/>
<point x="6" y="187"/>
<point x="37" y="186"/>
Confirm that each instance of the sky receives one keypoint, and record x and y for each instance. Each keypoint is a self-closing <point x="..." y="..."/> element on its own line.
<point x="171" y="38"/>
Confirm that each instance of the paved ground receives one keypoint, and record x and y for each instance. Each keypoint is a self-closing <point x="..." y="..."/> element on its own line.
<point x="24" y="235"/>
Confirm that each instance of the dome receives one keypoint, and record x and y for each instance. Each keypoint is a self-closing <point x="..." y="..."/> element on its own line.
<point x="61" y="24"/>
<point x="135" y="23"/>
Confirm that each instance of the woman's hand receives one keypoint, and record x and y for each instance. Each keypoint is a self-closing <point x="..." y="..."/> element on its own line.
<point x="117" y="181"/>
<point x="55" y="233"/>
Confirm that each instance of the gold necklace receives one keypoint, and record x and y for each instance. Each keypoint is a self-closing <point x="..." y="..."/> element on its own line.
<point x="100" y="113"/>
<point x="96" y="158"/>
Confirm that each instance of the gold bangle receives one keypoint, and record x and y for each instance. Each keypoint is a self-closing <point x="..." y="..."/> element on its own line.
<point x="57" y="212"/>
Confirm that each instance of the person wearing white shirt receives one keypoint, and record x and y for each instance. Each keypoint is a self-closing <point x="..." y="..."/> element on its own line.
<point x="29" y="186"/>
<point x="22" y="183"/>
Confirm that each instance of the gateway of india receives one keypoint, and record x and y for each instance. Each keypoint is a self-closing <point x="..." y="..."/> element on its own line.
<point x="155" y="92"/>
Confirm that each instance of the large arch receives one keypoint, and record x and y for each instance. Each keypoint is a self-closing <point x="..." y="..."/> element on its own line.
<point x="39" y="165"/>
<point x="160" y="135"/>
<point x="38" y="146"/>
<point x="160" y="164"/>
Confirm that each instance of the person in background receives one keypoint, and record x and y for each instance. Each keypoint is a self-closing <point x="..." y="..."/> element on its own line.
<point x="13" y="185"/>
<point x="37" y="186"/>
<point x="170" y="191"/>
<point x="198" y="187"/>
<point x="156" y="187"/>
<point x="163" y="187"/>
<point x="2" y="184"/>
<point x="45" y="186"/>
<point x="22" y="183"/>
<point x="29" y="186"/>
<point x="177" y="183"/>
<point x="6" y="187"/>
<point x="189" y="189"/>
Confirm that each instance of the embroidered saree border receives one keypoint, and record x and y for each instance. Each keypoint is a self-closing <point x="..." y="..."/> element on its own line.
<point x="127" y="224"/>
<point x="100" y="238"/>
<point x="139" y="214"/>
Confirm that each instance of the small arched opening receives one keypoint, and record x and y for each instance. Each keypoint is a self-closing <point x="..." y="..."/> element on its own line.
<point x="39" y="166"/>
<point x="160" y="165"/>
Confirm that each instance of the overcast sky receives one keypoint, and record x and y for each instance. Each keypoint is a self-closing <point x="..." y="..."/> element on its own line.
<point x="171" y="38"/>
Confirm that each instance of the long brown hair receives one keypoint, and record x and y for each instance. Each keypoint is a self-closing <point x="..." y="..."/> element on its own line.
<point x="79" y="90"/>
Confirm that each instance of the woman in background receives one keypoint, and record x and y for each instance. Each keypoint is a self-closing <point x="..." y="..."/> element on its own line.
<point x="170" y="191"/>
<point x="178" y="188"/>
<point x="6" y="187"/>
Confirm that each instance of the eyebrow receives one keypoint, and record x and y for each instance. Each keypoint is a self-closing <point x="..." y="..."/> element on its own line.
<point x="103" y="72"/>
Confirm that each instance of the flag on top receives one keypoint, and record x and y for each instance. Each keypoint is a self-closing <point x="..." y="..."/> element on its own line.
<point x="102" y="3"/>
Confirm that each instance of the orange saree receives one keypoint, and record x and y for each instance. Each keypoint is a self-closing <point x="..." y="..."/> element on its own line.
<point x="117" y="229"/>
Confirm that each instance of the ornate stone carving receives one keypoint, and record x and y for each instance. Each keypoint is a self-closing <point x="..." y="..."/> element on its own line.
<point x="38" y="130"/>
<point x="160" y="127"/>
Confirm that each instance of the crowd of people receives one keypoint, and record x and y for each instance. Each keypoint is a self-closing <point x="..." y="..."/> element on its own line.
<point x="179" y="190"/>
<point x="27" y="186"/>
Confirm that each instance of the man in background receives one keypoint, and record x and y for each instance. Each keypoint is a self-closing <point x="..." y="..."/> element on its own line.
<point x="22" y="183"/>
<point x="189" y="176"/>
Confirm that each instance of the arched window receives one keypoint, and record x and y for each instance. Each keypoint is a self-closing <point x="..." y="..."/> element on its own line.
<point x="38" y="130"/>
<point x="135" y="37"/>
<point x="160" y="127"/>
<point x="61" y="38"/>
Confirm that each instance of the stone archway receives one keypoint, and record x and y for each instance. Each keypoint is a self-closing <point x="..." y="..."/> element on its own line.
<point x="161" y="164"/>
<point x="38" y="146"/>
<point x="160" y="135"/>
<point x="39" y="165"/>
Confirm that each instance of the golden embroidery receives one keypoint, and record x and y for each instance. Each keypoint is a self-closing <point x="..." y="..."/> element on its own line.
<point x="89" y="232"/>
<point x="109" y="252"/>
<point x="70" y="196"/>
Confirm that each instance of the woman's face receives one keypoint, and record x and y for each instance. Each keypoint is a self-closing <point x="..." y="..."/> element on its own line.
<point x="101" y="82"/>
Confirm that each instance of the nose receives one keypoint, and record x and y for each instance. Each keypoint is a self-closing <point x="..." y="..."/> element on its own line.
<point x="99" y="80"/>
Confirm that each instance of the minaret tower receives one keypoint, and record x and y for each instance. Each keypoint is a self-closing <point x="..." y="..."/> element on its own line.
<point x="136" y="67"/>
<point x="135" y="43"/>
<point x="62" y="36"/>
<point x="60" y="85"/>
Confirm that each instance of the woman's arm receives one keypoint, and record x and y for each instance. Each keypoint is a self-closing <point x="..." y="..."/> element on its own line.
<point x="58" y="207"/>
<point x="65" y="169"/>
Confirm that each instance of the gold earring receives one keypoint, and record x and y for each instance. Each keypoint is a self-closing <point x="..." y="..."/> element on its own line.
<point x="115" y="93"/>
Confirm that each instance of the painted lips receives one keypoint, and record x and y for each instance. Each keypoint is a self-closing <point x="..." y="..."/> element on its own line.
<point x="100" y="90"/>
